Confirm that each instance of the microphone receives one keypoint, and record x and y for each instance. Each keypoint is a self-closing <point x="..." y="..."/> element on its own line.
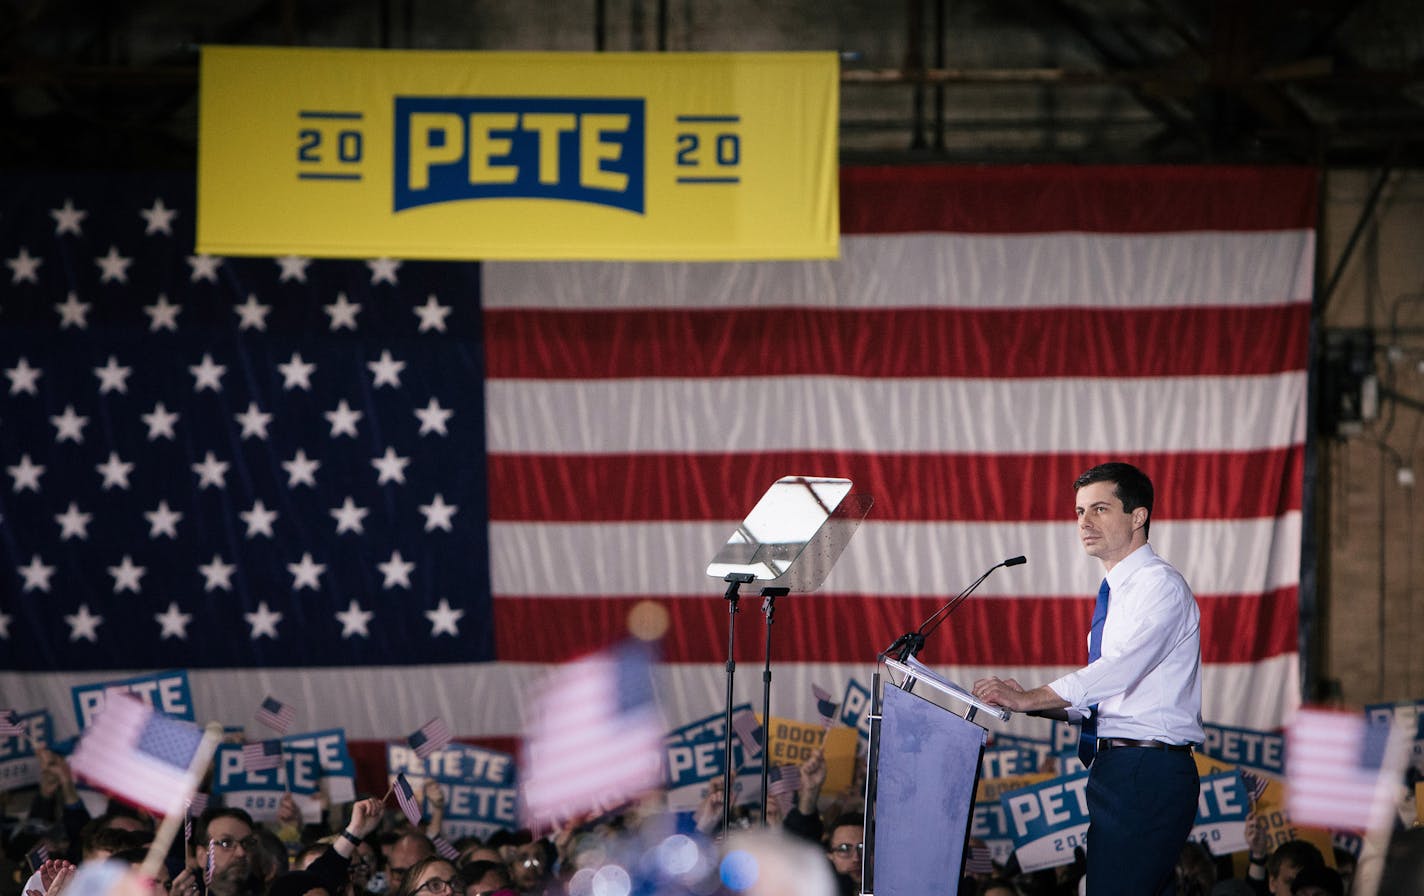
<point x="913" y="642"/>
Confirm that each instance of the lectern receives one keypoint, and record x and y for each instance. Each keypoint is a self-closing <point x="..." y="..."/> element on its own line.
<point x="924" y="768"/>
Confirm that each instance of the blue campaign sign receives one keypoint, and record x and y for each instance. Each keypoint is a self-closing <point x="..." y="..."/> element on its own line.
<point x="1041" y="749"/>
<point x="454" y="762"/>
<point x="1068" y="762"/>
<point x="1048" y="821"/>
<point x="19" y="765"/>
<point x="260" y="793"/>
<point x="333" y="757"/>
<point x="167" y="692"/>
<point x="1257" y="750"/>
<point x="990" y="824"/>
<point x="1406" y="712"/>
<point x="481" y="790"/>
<point x="1220" y="825"/>
<point x="1003" y="761"/>
<point x="1065" y="737"/>
<point x="855" y="708"/>
<point x="694" y="762"/>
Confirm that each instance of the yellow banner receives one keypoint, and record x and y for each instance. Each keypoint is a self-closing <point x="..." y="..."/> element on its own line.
<point x="446" y="155"/>
<point x="790" y="742"/>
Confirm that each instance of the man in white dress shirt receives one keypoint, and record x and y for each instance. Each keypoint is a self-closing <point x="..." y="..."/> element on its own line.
<point x="1139" y="694"/>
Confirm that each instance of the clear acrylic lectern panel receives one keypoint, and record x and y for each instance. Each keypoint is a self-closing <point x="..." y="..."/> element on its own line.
<point x="926" y="773"/>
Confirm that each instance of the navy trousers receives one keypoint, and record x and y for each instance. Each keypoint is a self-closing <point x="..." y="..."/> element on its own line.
<point x="1141" y="805"/>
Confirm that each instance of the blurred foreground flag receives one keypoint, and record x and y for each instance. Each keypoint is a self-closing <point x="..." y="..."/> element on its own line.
<point x="1342" y="772"/>
<point x="138" y="756"/>
<point x="594" y="737"/>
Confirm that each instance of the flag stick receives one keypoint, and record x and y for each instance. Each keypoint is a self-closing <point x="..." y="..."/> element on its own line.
<point x="177" y="809"/>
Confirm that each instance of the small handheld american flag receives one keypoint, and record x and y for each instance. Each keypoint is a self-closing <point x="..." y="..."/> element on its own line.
<point x="9" y="725"/>
<point x="433" y="735"/>
<point x="276" y="715"/>
<point x="262" y="756"/>
<point x="405" y="796"/>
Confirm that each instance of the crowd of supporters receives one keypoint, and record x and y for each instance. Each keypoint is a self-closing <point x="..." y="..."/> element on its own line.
<point x="812" y="845"/>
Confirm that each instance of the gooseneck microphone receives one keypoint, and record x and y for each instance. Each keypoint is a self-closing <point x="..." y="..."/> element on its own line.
<point x="907" y="645"/>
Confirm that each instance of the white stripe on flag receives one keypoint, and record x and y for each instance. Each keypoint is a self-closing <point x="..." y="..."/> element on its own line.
<point x="1060" y="270"/>
<point x="1102" y="416"/>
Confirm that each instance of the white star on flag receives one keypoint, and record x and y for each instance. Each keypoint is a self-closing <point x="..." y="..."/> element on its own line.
<point x="83" y="624"/>
<point x="69" y="425"/>
<point x="73" y="523"/>
<point x="158" y="218"/>
<point x="127" y="575"/>
<point x="383" y="270"/>
<point x="113" y="377"/>
<point x="433" y="418"/>
<point x="113" y="266"/>
<point x="397" y="571"/>
<point x="27" y="474"/>
<point x="254" y="421"/>
<point x="68" y="218"/>
<point x="160" y="422"/>
<point x="252" y="314"/>
<point x="115" y="472"/>
<point x="306" y="574"/>
<point x="72" y="312"/>
<point x="205" y="267"/>
<point x="211" y="472"/>
<point x="218" y="574"/>
<point x="386" y="371"/>
<point x="349" y="516"/>
<point x="162" y="314"/>
<point x="294" y="267"/>
<point x="343" y="420"/>
<point x="174" y="622"/>
<point x="263" y="622"/>
<point x="259" y="519"/>
<point x="24" y="268"/>
<point x="163" y="521"/>
<point x="343" y="313"/>
<point x="37" y="574"/>
<point x="443" y="619"/>
<point x="432" y="315"/>
<point x="23" y="378"/>
<point x="207" y="374"/>
<point x="438" y="514"/>
<point x="301" y="470"/>
<point x="391" y="467"/>
<point x="296" y="373"/>
<point x="354" y="620"/>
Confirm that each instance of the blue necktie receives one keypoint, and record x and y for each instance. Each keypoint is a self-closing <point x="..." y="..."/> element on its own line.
<point x="1088" y="737"/>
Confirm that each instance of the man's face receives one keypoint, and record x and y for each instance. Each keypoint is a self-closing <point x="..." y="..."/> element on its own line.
<point x="844" y="849"/>
<point x="1105" y="529"/>
<point x="1280" y="885"/>
<point x="405" y="853"/>
<point x="229" y="839"/>
<point x="527" y="867"/>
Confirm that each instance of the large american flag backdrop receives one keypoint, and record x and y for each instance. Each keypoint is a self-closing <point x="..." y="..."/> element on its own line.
<point x="388" y="491"/>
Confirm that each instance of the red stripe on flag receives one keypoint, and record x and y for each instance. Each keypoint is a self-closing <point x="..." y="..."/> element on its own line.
<point x="911" y="487"/>
<point x="1049" y="198"/>
<point x="844" y="628"/>
<point x="1011" y="343"/>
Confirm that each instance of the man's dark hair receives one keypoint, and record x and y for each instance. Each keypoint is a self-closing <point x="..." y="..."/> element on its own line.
<point x="1130" y="486"/>
<point x="200" y="828"/>
<point x="1300" y="853"/>
<point x="849" y="819"/>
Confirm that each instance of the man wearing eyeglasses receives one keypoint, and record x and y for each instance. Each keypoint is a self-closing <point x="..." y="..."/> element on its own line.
<point x="844" y="847"/>
<point x="224" y="841"/>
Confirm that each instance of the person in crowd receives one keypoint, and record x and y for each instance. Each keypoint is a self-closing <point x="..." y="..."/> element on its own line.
<point x="223" y="844"/>
<point x="406" y="851"/>
<point x="532" y="868"/>
<point x="1196" y="870"/>
<point x="431" y="876"/>
<point x="1275" y="874"/>
<point x="845" y="847"/>
<point x="486" y="878"/>
<point x="1139" y="698"/>
<point x="804" y="818"/>
<point x="1319" y="881"/>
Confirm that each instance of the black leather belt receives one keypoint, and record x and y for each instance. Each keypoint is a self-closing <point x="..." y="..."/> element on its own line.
<point x="1108" y="743"/>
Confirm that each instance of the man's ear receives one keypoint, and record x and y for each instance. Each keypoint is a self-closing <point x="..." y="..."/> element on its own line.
<point x="1139" y="517"/>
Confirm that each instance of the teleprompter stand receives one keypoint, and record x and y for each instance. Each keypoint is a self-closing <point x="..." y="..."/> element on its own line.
<point x="789" y="541"/>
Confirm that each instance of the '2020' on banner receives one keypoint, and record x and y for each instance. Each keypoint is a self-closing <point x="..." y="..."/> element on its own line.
<point x="464" y="155"/>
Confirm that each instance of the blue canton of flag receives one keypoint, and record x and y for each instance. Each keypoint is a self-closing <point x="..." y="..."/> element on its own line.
<point x="825" y="706"/>
<point x="219" y="462"/>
